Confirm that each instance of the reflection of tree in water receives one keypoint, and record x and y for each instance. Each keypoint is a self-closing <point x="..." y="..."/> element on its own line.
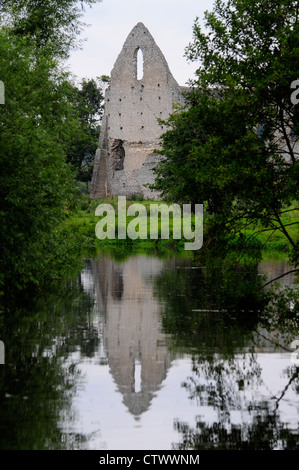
<point x="40" y="375"/>
<point x="265" y="433"/>
<point x="224" y="389"/>
<point x="217" y="313"/>
<point x="209" y="307"/>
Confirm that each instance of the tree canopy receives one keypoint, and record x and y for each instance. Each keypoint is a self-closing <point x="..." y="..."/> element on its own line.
<point x="87" y="99"/>
<point x="39" y="124"/>
<point x="51" y="24"/>
<point x="235" y="145"/>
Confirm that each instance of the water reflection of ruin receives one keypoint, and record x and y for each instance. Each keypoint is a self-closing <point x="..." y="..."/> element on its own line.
<point x="128" y="314"/>
<point x="135" y="346"/>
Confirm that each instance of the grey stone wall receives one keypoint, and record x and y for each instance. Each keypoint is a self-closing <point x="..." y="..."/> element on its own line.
<point x="130" y="129"/>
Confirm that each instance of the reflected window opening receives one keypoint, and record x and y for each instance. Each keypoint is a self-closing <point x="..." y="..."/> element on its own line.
<point x="137" y="377"/>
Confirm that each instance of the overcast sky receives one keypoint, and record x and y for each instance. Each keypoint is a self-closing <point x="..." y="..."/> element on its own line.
<point x="169" y="21"/>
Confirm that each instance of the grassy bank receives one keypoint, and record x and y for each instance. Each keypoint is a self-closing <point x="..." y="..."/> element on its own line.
<point x="82" y="221"/>
<point x="274" y="241"/>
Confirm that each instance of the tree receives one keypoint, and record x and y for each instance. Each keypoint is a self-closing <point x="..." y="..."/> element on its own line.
<point x="235" y="145"/>
<point x="35" y="184"/>
<point x="38" y="123"/>
<point x="88" y="102"/>
<point x="51" y="24"/>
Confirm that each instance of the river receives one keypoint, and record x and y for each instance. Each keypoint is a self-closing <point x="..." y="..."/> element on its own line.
<point x="138" y="353"/>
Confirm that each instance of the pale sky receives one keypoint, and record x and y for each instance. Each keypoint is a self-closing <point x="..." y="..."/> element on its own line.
<point x="170" y="22"/>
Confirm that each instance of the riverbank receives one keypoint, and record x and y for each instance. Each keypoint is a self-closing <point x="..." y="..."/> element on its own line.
<point x="82" y="221"/>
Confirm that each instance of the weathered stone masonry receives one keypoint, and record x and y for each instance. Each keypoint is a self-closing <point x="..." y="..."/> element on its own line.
<point x="130" y="129"/>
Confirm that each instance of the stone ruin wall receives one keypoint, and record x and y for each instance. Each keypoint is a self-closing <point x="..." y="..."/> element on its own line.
<point x="130" y="129"/>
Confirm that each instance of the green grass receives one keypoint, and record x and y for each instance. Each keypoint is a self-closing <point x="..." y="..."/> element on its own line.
<point x="82" y="221"/>
<point x="276" y="241"/>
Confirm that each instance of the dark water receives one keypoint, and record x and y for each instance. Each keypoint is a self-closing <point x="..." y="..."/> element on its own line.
<point x="147" y="353"/>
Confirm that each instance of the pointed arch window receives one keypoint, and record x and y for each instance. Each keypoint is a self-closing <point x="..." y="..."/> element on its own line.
<point x="139" y="64"/>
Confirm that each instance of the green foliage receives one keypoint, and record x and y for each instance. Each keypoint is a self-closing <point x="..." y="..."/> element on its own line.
<point x="233" y="147"/>
<point x="44" y="119"/>
<point x="50" y="24"/>
<point x="88" y="103"/>
<point x="81" y="220"/>
<point x="36" y="184"/>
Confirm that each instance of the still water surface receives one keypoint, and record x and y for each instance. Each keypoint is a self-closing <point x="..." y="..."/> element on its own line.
<point x="136" y="355"/>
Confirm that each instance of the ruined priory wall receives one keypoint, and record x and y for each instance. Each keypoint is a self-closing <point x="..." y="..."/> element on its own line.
<point x="130" y="128"/>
